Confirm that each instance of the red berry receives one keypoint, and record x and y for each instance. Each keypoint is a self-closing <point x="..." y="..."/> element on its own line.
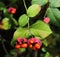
<point x="31" y="41"/>
<point x="24" y="45"/>
<point x="30" y="46"/>
<point x="46" y="20"/>
<point x="34" y="43"/>
<point x="17" y="46"/>
<point x="37" y="46"/>
<point x="12" y="10"/>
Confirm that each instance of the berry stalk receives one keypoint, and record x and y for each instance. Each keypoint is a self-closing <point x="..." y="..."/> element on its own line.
<point x="25" y="5"/>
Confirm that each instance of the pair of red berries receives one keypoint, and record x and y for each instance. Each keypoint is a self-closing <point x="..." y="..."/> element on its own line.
<point x="11" y="10"/>
<point x="21" y="43"/>
<point x="33" y="43"/>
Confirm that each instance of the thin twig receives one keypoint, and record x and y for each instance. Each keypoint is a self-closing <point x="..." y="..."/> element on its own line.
<point x="35" y="54"/>
<point x="28" y="17"/>
<point x="2" y="42"/>
<point x="4" y="47"/>
<point x="25" y="5"/>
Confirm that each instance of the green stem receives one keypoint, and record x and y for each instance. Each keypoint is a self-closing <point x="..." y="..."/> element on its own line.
<point x="27" y="15"/>
<point x="45" y="13"/>
<point x="15" y="22"/>
<point x="28" y="25"/>
<point x="25" y="5"/>
<point x="46" y="9"/>
<point x="26" y="12"/>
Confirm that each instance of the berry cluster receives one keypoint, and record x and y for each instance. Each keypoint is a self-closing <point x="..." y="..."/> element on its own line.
<point x="33" y="43"/>
<point x="21" y="43"/>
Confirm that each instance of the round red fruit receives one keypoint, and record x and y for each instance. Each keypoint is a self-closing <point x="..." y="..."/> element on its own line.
<point x="12" y="10"/>
<point x="30" y="46"/>
<point x="46" y="20"/>
<point x="24" y="45"/>
<point x="17" y="46"/>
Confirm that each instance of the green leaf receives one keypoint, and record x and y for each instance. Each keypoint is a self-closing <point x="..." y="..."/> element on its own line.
<point x="47" y="54"/>
<point x="33" y="10"/>
<point x="13" y="52"/>
<point x="43" y="49"/>
<point x="40" y="2"/>
<point x="56" y="13"/>
<point x="5" y="24"/>
<point x="48" y="41"/>
<point x="6" y="14"/>
<point x="40" y="29"/>
<point x="45" y="42"/>
<point x="20" y="32"/>
<point x="22" y="49"/>
<point x="4" y="10"/>
<point x="2" y="6"/>
<point x="54" y="3"/>
<point x="52" y="17"/>
<point x="23" y="20"/>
